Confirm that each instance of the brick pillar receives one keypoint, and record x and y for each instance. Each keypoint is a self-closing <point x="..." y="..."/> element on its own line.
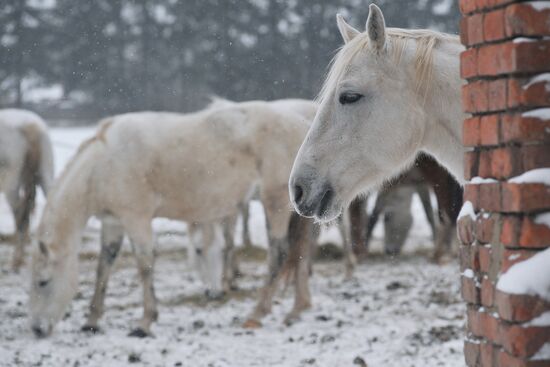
<point x="507" y="68"/>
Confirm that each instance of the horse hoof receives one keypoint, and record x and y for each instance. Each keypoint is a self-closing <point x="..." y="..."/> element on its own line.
<point x="252" y="324"/>
<point x="139" y="333"/>
<point x="291" y="320"/>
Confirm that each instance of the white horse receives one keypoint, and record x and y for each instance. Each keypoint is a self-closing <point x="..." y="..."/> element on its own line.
<point x="196" y="167"/>
<point x="26" y="161"/>
<point x="390" y="94"/>
<point x="212" y="243"/>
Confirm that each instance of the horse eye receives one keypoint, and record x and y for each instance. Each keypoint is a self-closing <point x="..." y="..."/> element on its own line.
<point x="43" y="283"/>
<point x="347" y="97"/>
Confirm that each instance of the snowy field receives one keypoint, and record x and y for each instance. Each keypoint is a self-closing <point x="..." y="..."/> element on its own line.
<point x="395" y="312"/>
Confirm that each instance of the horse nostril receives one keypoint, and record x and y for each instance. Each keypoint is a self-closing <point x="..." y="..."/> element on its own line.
<point x="298" y="193"/>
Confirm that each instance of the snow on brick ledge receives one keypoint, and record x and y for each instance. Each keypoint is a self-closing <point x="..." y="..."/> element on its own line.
<point x="531" y="276"/>
<point x="535" y="176"/>
<point x="542" y="114"/>
<point x="467" y="210"/>
<point x="543" y="219"/>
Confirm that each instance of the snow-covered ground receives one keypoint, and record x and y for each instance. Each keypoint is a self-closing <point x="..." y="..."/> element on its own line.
<point x="400" y="312"/>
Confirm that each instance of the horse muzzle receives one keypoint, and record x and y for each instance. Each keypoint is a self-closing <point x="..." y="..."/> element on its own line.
<point x="313" y="198"/>
<point x="41" y="329"/>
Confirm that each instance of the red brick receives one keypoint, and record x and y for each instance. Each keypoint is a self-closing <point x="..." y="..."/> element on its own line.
<point x="463" y="30"/>
<point x="468" y="63"/>
<point x="487" y="293"/>
<point x="517" y="129"/>
<point x="489" y="326"/>
<point x="522" y="341"/>
<point x="493" y="25"/>
<point x="489" y="129"/>
<point x="487" y="353"/>
<point x="495" y="59"/>
<point x="496" y="91"/>
<point x="472" y="353"/>
<point x="467" y="6"/>
<point x="469" y="258"/>
<point x="470" y="292"/>
<point x="528" y="92"/>
<point x="514" y="57"/>
<point x="533" y="234"/>
<point x="490" y="197"/>
<point x="474" y="28"/>
<point x="512" y="257"/>
<point x="484" y="166"/>
<point x="475" y="97"/>
<point x="490" y="4"/>
<point x="525" y="20"/>
<point x="527" y="197"/>
<point x="484" y="227"/>
<point x="471" y="194"/>
<point x="507" y="360"/>
<point x="534" y="156"/>
<point x="471" y="164"/>
<point x="484" y="258"/>
<point x="474" y="321"/>
<point x="519" y="307"/>
<point x="471" y="132"/>
<point x="466" y="230"/>
<point x="531" y="57"/>
<point x="505" y="162"/>
<point x="511" y="161"/>
<point x="509" y="235"/>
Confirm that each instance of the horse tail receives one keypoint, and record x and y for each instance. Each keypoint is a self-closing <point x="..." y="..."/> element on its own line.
<point x="46" y="169"/>
<point x="30" y="175"/>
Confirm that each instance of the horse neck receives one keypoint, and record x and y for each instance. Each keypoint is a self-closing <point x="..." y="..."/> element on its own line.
<point x="68" y="210"/>
<point x="443" y="110"/>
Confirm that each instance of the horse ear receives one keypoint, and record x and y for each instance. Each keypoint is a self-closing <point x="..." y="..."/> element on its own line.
<point x="376" y="27"/>
<point x="347" y="31"/>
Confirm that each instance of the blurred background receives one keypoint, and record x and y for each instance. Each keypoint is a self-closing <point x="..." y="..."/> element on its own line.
<point x="79" y="60"/>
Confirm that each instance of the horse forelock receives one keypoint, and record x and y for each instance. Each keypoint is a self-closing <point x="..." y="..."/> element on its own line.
<point x="426" y="41"/>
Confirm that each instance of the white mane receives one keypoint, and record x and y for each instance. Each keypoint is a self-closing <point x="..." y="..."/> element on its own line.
<point x="426" y="41"/>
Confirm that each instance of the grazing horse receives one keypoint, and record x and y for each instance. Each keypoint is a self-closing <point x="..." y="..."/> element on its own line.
<point x="390" y="94"/>
<point x="26" y="161"/>
<point x="396" y="198"/>
<point x="196" y="168"/>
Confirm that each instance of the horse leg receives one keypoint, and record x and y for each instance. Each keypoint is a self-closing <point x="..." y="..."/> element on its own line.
<point x="358" y="219"/>
<point x="112" y="235"/>
<point x="230" y="266"/>
<point x="423" y="192"/>
<point x="21" y="219"/>
<point x="374" y="216"/>
<point x="443" y="241"/>
<point x="141" y="236"/>
<point x="245" y="213"/>
<point x="349" y="256"/>
<point x="302" y="235"/>
<point x="397" y="219"/>
<point x="278" y="219"/>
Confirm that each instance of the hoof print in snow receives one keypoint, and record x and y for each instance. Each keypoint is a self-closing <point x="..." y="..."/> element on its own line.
<point x="359" y="362"/>
<point x="198" y="324"/>
<point x="252" y="324"/>
<point x="138" y="333"/>
<point x="395" y="285"/>
<point x="134" y="358"/>
<point x="90" y="329"/>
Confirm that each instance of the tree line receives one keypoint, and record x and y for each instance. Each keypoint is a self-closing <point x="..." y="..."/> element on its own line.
<point x="122" y="55"/>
